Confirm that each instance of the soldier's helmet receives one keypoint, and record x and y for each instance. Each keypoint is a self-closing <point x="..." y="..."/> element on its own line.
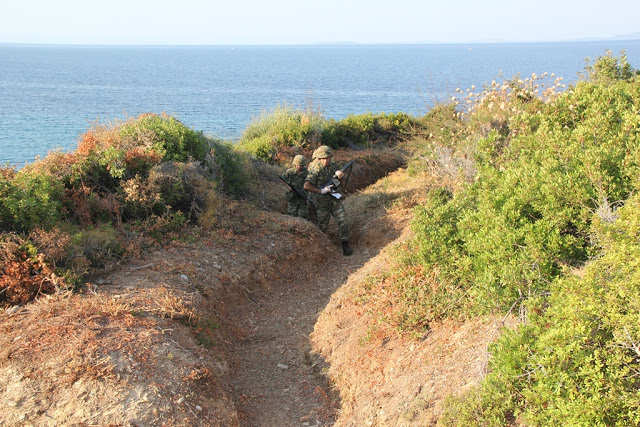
<point x="322" y="152"/>
<point x="299" y="160"/>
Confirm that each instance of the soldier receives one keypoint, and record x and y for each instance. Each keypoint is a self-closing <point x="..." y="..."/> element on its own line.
<point x="296" y="205"/>
<point x="321" y="170"/>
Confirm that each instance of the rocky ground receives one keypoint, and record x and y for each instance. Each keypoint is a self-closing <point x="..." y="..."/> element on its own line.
<point x="250" y="327"/>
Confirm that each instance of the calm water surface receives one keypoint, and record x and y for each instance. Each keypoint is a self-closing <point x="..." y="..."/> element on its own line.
<point x="50" y="95"/>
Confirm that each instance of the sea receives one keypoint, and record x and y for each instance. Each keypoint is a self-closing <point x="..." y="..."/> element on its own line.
<point x="51" y="94"/>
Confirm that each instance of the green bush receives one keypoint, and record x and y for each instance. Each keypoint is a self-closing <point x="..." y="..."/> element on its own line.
<point x="232" y="167"/>
<point x="283" y="127"/>
<point x="261" y="147"/>
<point x="609" y="69"/>
<point x="287" y="127"/>
<point x="168" y="136"/>
<point x="527" y="216"/>
<point x="576" y="360"/>
<point x="28" y="201"/>
<point x="368" y="128"/>
<point x="94" y="247"/>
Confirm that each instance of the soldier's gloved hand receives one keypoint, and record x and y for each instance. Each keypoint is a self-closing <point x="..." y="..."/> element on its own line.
<point x="325" y="190"/>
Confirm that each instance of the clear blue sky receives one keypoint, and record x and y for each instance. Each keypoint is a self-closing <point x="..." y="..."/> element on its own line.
<point x="303" y="22"/>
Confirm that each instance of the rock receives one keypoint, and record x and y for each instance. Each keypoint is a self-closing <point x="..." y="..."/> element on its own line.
<point x="12" y="310"/>
<point x="282" y="366"/>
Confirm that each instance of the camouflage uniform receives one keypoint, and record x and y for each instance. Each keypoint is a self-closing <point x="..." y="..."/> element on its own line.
<point x="296" y="205"/>
<point x="326" y="204"/>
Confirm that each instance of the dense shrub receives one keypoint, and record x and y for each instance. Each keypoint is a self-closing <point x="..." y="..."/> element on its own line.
<point x="552" y="166"/>
<point x="576" y="360"/>
<point x="231" y="167"/>
<point x="148" y="166"/>
<point x="283" y="127"/>
<point x="527" y="216"/>
<point x="28" y="201"/>
<point x="609" y="69"/>
<point x="368" y="128"/>
<point x="151" y="173"/>
<point x="287" y="127"/>
<point x="440" y="146"/>
<point x="166" y="136"/>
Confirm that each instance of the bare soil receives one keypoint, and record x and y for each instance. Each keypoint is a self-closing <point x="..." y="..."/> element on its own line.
<point x="251" y="328"/>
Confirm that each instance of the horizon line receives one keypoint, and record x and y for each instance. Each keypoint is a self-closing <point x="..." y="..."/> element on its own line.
<point x="477" y="42"/>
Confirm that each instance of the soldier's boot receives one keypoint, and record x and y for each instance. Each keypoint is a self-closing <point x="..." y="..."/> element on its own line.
<point x="346" y="250"/>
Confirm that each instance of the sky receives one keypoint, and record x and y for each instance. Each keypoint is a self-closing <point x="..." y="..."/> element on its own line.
<point x="259" y="22"/>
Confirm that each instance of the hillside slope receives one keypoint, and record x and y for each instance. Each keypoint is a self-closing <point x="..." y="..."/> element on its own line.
<point x="212" y="330"/>
<point x="216" y="332"/>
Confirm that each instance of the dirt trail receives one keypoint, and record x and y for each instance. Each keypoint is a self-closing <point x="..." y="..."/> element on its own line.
<point x="213" y="330"/>
<point x="217" y="329"/>
<point x="278" y="381"/>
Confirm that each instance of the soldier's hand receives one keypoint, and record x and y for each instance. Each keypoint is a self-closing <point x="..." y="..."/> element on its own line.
<point x="325" y="190"/>
<point x="339" y="174"/>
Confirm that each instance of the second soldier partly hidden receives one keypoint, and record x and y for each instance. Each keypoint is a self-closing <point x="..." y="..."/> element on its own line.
<point x="322" y="180"/>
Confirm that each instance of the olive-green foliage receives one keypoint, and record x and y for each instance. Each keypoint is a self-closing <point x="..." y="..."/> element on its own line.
<point x="151" y="165"/>
<point x="289" y="127"/>
<point x="151" y="173"/>
<point x="108" y="154"/>
<point x="285" y="127"/>
<point x="368" y="128"/>
<point x="609" y="69"/>
<point x="550" y="177"/>
<point x="29" y="201"/>
<point x="576" y="360"/>
<point x="97" y="245"/>
<point x="168" y="136"/>
<point x="232" y="167"/>
<point x="261" y="147"/>
<point x="508" y="235"/>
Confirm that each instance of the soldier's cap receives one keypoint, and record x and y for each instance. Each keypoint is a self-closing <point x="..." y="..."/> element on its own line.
<point x="299" y="160"/>
<point x="322" y="152"/>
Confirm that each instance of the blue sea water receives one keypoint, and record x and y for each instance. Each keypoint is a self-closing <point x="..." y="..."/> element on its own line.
<point x="50" y="95"/>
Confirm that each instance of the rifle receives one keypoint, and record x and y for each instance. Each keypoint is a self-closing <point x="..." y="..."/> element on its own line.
<point x="334" y="182"/>
<point x="298" y="192"/>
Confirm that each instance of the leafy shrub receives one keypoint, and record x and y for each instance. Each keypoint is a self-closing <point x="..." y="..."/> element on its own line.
<point x="284" y="127"/>
<point x="169" y="187"/>
<point x="261" y="147"/>
<point x="231" y="167"/>
<point x="28" y="201"/>
<point x="369" y="128"/>
<point x="149" y="166"/>
<point x="505" y="237"/>
<point x="166" y="135"/>
<point x="151" y="172"/>
<point x="440" y="148"/>
<point x="609" y="69"/>
<point x="93" y="248"/>
<point x="577" y="358"/>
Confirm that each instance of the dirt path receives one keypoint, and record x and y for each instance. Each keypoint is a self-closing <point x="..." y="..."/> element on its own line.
<point x="277" y="381"/>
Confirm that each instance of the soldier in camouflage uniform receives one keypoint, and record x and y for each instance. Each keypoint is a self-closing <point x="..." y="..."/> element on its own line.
<point x="320" y="171"/>
<point x="297" y="206"/>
